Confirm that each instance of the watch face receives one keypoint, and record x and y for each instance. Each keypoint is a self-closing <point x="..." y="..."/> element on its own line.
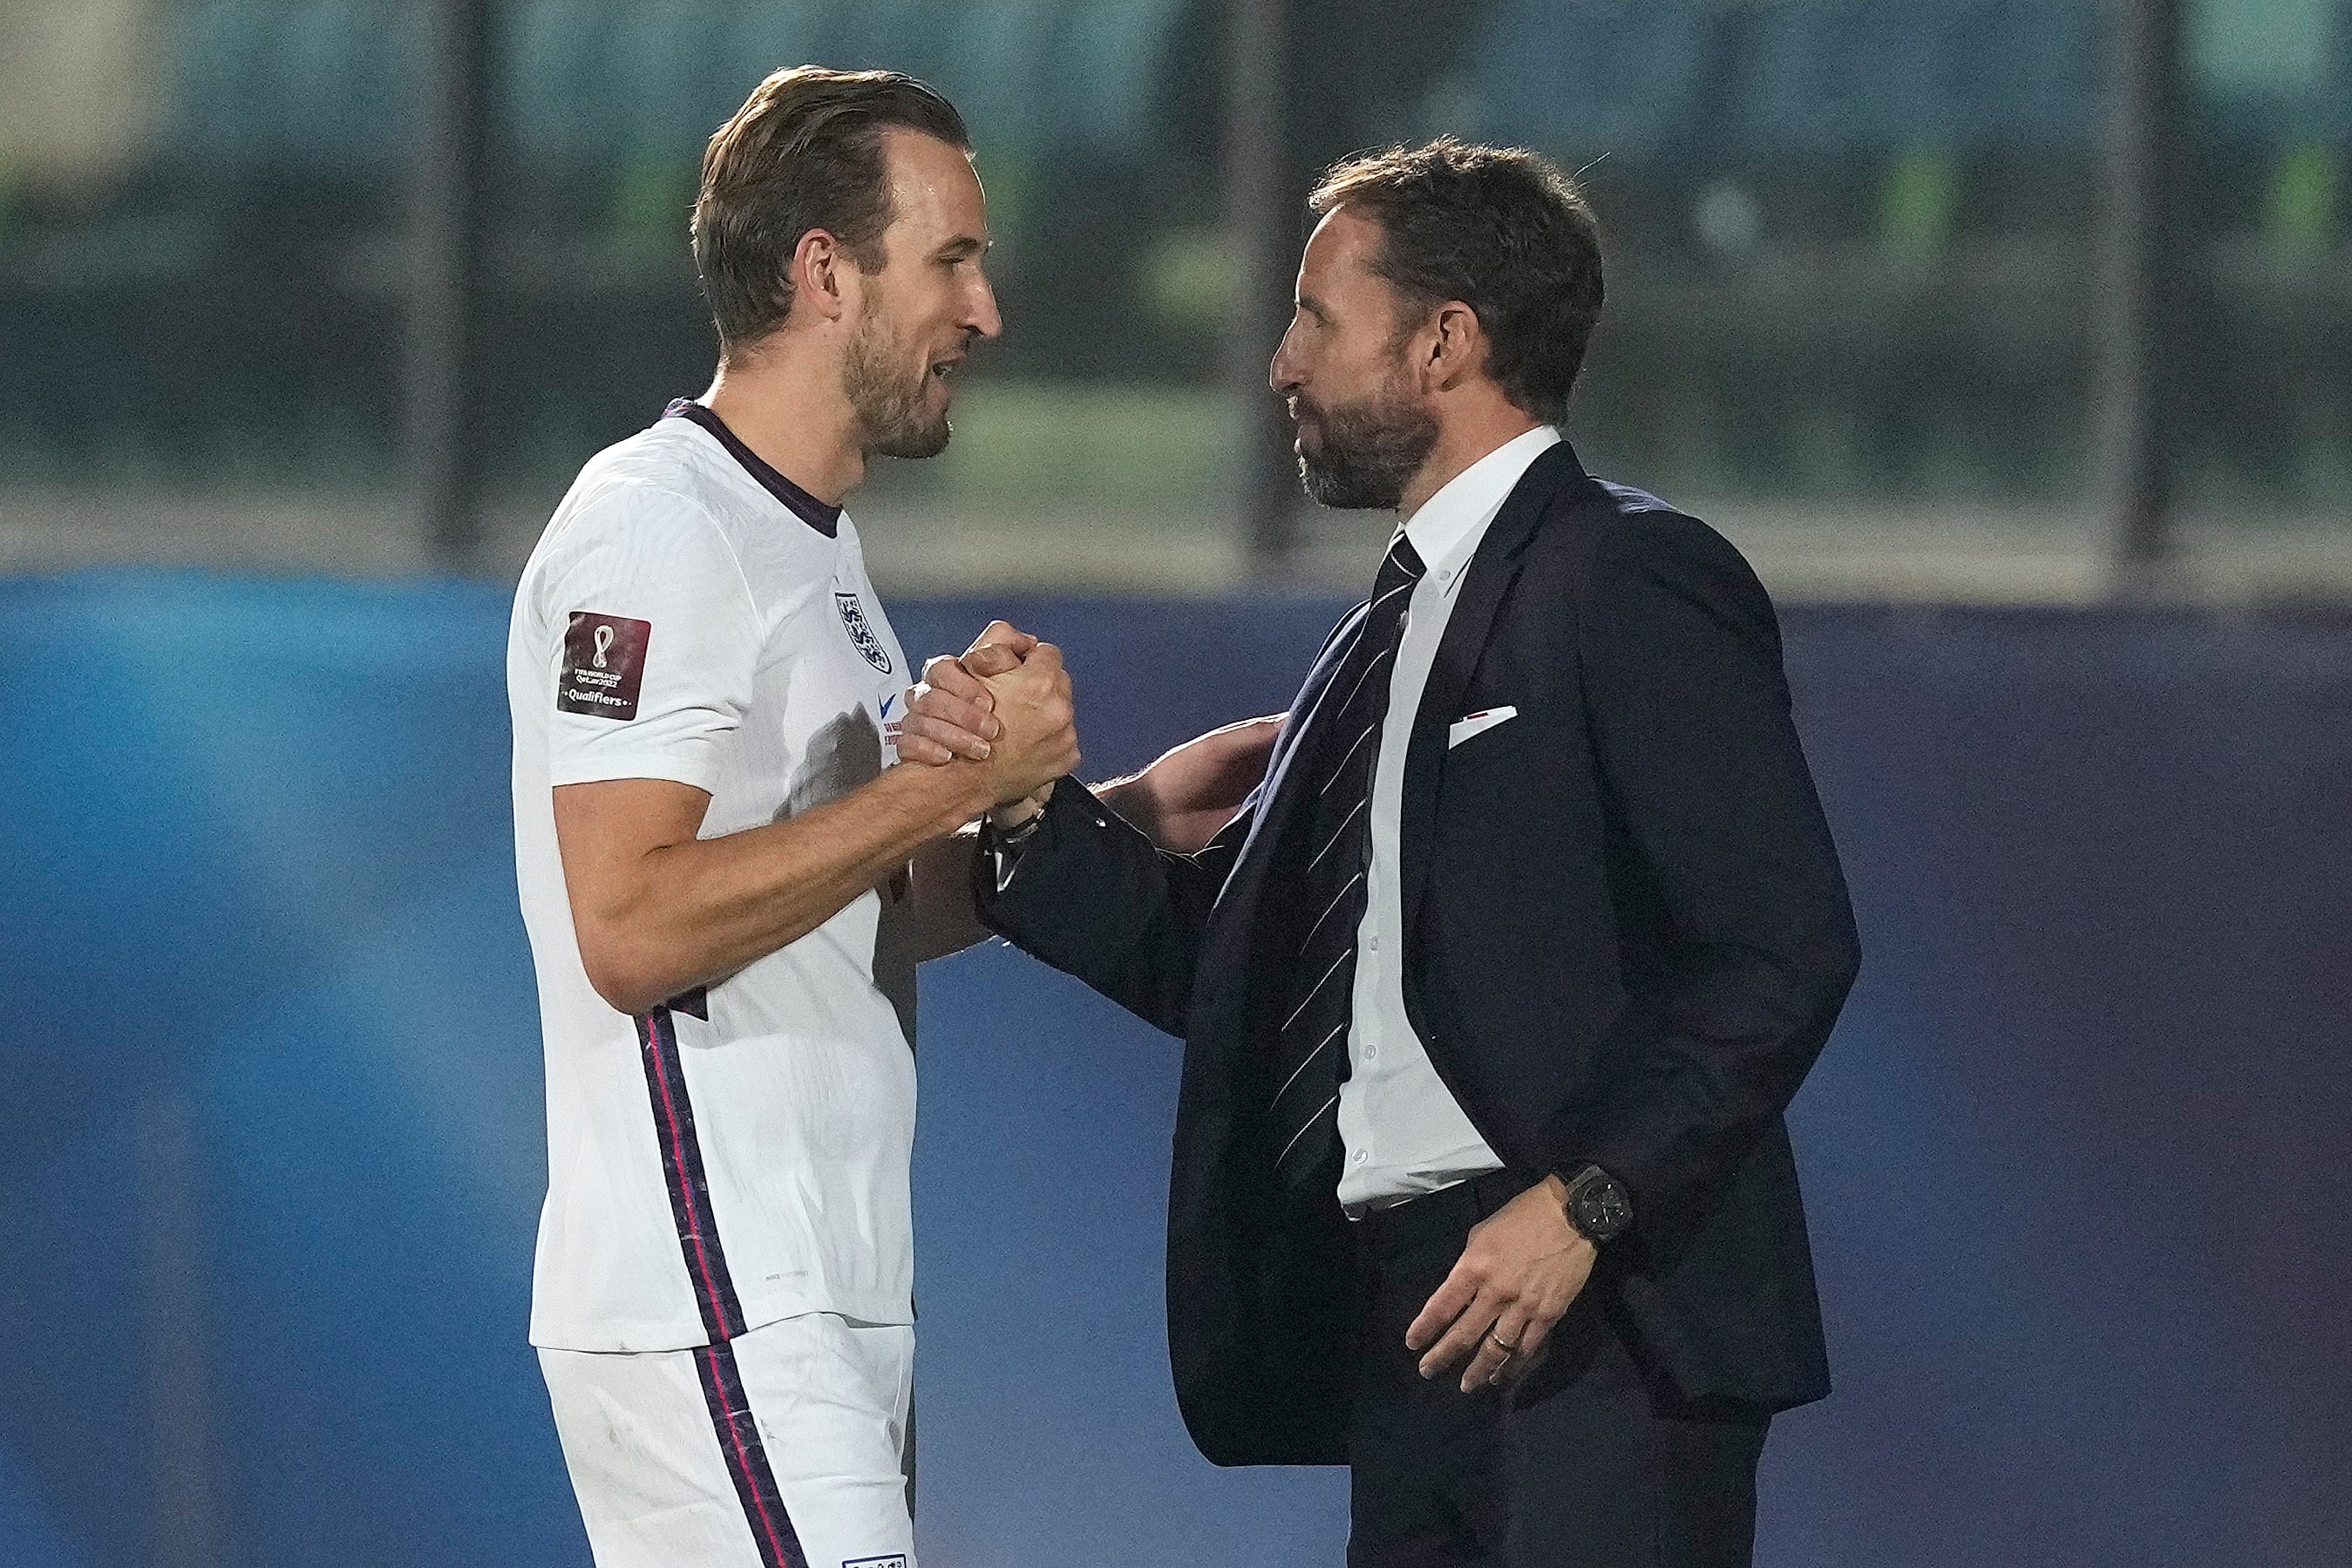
<point x="1602" y="1209"/>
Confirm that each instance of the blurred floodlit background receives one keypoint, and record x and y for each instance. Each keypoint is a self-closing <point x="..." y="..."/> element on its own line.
<point x="1857" y="303"/>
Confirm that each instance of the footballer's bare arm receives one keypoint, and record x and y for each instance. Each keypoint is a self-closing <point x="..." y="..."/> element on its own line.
<point x="659" y="910"/>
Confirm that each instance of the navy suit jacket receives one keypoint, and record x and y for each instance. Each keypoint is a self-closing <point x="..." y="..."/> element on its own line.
<point x="1628" y="938"/>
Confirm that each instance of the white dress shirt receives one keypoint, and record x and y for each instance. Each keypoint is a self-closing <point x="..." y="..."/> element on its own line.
<point x="1404" y="1133"/>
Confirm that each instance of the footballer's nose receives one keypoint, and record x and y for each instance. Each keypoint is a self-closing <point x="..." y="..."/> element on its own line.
<point x="980" y="315"/>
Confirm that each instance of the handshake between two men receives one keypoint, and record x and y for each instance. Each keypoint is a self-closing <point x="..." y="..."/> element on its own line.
<point x="1005" y="705"/>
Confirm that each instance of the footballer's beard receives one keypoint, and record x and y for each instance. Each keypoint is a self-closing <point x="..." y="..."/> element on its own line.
<point x="895" y="413"/>
<point x="1361" y="456"/>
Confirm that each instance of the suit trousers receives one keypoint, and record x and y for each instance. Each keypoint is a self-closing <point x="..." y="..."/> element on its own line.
<point x="1586" y="1462"/>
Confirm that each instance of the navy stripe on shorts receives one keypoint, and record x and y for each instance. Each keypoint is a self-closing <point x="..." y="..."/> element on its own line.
<point x="714" y="1294"/>
<point x="747" y="1458"/>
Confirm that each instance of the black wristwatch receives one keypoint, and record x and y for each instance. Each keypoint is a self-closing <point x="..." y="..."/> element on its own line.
<point x="1001" y="848"/>
<point x="1013" y="838"/>
<point x="1598" y="1204"/>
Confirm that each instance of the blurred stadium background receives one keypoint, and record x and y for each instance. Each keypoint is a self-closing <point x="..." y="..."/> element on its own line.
<point x="2011" y="338"/>
<point x="1859" y="308"/>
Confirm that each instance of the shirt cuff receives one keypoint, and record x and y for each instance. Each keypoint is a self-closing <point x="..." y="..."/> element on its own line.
<point x="699" y="769"/>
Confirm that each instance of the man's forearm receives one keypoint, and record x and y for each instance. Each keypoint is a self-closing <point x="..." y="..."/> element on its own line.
<point x="1193" y="790"/>
<point x="698" y="911"/>
<point x="1132" y="800"/>
<point x="944" y="921"/>
<point x="1091" y="896"/>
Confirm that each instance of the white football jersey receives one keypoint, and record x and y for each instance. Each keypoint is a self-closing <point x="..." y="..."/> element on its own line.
<point x="739" y="1154"/>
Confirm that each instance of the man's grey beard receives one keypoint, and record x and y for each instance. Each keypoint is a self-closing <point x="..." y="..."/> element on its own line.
<point x="891" y="418"/>
<point x="1369" y="452"/>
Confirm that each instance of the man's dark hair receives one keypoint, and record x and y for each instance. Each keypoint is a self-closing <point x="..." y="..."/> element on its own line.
<point x="803" y="152"/>
<point x="1499" y="229"/>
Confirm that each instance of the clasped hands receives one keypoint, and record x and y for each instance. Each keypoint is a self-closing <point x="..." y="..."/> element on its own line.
<point x="1009" y="692"/>
<point x="1005" y="705"/>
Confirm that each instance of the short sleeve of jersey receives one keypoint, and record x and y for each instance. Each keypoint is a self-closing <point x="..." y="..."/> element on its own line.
<point x="650" y="639"/>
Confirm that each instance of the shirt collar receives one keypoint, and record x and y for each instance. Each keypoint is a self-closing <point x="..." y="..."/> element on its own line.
<point x="1447" y="527"/>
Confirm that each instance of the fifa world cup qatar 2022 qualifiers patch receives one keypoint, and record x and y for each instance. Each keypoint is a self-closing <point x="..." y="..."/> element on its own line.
<point x="604" y="664"/>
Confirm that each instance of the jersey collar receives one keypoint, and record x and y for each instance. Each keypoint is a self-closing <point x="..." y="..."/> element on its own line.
<point x="824" y="519"/>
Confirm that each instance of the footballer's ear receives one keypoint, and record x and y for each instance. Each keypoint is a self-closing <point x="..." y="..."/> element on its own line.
<point x="817" y="275"/>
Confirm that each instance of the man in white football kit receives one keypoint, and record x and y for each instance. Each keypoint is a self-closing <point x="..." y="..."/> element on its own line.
<point x="736" y="1155"/>
<point x="722" y="875"/>
<point x="727" y="881"/>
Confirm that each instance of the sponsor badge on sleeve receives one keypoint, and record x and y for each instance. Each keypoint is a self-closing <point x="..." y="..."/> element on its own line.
<point x="604" y="664"/>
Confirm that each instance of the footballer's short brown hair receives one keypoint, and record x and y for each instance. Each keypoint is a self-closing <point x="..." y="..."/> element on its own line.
<point x="803" y="152"/>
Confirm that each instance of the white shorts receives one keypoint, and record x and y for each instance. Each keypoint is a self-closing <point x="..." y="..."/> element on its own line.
<point x="783" y="1447"/>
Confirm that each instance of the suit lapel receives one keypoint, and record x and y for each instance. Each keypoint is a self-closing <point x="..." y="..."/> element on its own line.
<point x="1489" y="577"/>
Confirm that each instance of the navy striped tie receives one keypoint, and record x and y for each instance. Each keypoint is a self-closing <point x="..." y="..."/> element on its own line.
<point x="1334" y="851"/>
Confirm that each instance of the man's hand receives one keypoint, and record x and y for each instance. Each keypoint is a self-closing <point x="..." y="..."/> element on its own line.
<point x="1193" y="789"/>
<point x="1038" y="738"/>
<point x="1522" y="1268"/>
<point x="953" y="713"/>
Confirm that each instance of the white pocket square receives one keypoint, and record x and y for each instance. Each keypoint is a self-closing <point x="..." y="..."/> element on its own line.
<point x="1462" y="729"/>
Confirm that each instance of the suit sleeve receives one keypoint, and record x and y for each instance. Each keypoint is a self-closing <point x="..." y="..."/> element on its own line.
<point x="1688" y="709"/>
<point x="1093" y="897"/>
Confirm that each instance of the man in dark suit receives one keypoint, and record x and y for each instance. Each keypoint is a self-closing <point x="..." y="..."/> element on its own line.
<point x="1495" y="989"/>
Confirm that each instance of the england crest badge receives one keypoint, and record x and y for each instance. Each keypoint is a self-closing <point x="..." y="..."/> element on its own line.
<point x="852" y="616"/>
